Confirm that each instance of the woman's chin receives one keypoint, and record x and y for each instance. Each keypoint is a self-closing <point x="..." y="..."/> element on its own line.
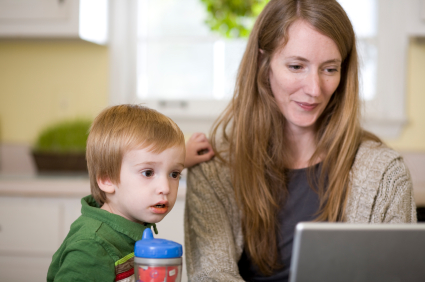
<point x="302" y="124"/>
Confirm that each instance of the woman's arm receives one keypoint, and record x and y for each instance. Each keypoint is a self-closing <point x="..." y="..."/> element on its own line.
<point x="213" y="239"/>
<point x="381" y="190"/>
<point x="395" y="200"/>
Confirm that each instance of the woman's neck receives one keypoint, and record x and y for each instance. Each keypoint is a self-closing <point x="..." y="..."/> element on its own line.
<point x="302" y="146"/>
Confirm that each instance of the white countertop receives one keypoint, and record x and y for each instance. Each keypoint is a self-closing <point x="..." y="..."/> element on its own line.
<point x="53" y="186"/>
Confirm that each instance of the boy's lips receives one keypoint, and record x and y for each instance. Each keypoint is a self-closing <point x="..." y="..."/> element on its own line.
<point x="160" y="207"/>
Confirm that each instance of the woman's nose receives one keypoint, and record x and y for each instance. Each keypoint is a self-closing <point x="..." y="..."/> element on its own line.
<point x="312" y="84"/>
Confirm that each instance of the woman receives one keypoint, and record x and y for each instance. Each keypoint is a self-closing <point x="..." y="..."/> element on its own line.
<point x="290" y="149"/>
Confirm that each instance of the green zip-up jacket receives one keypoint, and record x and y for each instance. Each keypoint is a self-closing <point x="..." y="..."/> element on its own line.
<point x="98" y="247"/>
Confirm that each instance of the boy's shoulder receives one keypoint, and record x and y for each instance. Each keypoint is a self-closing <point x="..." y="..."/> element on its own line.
<point x="80" y="252"/>
<point x="92" y="242"/>
<point x="98" y="226"/>
<point x="84" y="234"/>
<point x="84" y="228"/>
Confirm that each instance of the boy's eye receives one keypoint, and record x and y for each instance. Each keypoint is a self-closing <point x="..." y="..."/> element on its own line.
<point x="147" y="173"/>
<point x="175" y="174"/>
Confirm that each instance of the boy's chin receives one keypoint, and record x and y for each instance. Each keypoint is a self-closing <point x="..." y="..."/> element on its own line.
<point x="154" y="219"/>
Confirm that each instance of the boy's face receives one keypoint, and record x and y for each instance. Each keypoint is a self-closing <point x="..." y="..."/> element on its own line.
<point x="148" y="184"/>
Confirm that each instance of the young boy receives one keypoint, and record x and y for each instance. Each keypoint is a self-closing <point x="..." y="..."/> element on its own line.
<point x="135" y="156"/>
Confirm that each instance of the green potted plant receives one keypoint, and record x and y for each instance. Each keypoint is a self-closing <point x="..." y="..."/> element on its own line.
<point x="61" y="147"/>
<point x="233" y="18"/>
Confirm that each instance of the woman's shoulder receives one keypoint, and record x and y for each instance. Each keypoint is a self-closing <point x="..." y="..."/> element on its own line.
<point x="211" y="179"/>
<point x="213" y="169"/>
<point x="376" y="154"/>
<point x="379" y="179"/>
<point x="373" y="160"/>
<point x="216" y="167"/>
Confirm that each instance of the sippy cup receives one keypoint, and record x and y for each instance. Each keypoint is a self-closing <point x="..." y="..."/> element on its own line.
<point x="157" y="260"/>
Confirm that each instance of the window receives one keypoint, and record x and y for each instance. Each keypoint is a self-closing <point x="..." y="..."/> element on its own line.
<point x="175" y="46"/>
<point x="163" y="54"/>
<point x="364" y="18"/>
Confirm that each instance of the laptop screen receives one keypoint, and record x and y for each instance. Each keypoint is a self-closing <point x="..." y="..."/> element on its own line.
<point x="358" y="252"/>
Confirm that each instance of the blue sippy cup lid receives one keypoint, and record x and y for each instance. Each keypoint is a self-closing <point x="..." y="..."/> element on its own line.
<point x="149" y="247"/>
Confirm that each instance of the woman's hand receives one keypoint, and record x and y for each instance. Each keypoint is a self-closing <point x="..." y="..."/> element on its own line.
<point x="198" y="150"/>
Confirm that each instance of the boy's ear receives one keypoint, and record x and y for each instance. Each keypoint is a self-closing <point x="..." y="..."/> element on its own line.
<point x="106" y="185"/>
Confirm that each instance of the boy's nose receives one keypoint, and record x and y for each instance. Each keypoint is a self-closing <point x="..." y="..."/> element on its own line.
<point x="164" y="187"/>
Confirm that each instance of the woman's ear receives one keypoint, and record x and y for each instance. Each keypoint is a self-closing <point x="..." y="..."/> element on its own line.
<point x="105" y="184"/>
<point x="260" y="56"/>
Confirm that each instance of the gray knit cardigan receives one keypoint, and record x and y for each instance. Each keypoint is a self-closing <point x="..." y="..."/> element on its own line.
<point x="381" y="192"/>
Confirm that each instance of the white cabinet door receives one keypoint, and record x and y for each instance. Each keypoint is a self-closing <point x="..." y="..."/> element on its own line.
<point x="29" y="227"/>
<point x="83" y="19"/>
<point x="24" y="268"/>
<point x="31" y="230"/>
<point x="34" y="10"/>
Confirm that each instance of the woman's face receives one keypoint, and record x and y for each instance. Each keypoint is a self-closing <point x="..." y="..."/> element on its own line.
<point x="304" y="74"/>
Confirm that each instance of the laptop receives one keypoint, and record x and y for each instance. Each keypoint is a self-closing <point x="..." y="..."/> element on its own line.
<point x="345" y="252"/>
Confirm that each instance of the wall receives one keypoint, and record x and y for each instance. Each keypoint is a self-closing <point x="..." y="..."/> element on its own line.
<point x="413" y="137"/>
<point x="45" y="81"/>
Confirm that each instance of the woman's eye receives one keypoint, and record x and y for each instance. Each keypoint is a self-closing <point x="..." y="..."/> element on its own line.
<point x="147" y="173"/>
<point x="331" y="70"/>
<point x="175" y="174"/>
<point x="295" y="67"/>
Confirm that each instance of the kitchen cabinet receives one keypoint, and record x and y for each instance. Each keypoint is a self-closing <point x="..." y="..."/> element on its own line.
<point x="36" y="214"/>
<point x="82" y="19"/>
<point x="31" y="230"/>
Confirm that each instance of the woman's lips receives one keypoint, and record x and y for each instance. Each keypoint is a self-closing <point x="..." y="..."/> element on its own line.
<point x="307" y="106"/>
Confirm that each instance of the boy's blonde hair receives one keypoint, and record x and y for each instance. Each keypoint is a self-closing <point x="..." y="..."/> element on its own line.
<point x="119" y="129"/>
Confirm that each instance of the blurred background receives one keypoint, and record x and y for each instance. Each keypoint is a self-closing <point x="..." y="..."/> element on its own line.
<point x="69" y="59"/>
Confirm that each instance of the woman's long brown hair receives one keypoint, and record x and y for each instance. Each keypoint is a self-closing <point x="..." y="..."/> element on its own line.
<point x="252" y="127"/>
